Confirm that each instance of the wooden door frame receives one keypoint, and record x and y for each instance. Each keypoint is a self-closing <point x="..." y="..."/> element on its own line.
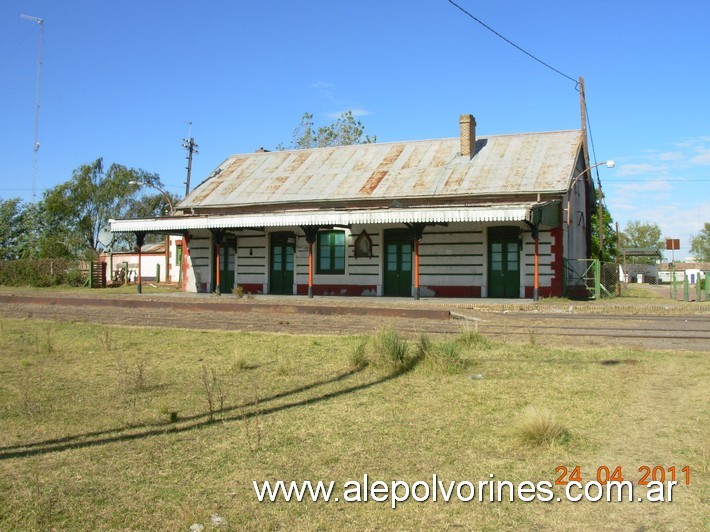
<point x="397" y="236"/>
<point x="281" y="237"/>
<point x="503" y="234"/>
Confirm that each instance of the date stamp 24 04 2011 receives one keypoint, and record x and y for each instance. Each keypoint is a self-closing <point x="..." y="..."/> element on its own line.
<point x="606" y="474"/>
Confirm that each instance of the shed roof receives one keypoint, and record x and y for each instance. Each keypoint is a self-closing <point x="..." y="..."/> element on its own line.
<point x="502" y="165"/>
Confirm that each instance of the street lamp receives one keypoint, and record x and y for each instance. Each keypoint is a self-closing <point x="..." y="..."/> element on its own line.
<point x="609" y="164"/>
<point x="167" y="198"/>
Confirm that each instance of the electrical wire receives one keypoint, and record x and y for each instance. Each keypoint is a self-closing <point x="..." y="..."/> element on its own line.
<point x="659" y="179"/>
<point x="576" y="82"/>
<point x="513" y="44"/>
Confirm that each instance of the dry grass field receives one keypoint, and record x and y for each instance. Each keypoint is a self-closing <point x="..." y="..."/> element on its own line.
<point x="112" y="427"/>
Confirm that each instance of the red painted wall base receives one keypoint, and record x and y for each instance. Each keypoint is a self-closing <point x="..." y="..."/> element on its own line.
<point x="252" y="288"/>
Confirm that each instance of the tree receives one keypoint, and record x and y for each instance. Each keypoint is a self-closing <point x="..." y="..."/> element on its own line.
<point x="639" y="234"/>
<point x="700" y="244"/>
<point x="146" y="206"/>
<point x="74" y="213"/>
<point x="343" y="132"/>
<point x="610" y="244"/>
<point x="13" y="236"/>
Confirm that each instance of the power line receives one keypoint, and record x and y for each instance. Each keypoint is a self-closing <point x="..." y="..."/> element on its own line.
<point x="512" y="43"/>
<point x="656" y="179"/>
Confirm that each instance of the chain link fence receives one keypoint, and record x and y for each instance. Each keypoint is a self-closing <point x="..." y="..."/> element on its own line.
<point x="591" y="279"/>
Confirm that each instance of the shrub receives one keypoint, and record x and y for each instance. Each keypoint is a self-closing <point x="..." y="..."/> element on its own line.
<point x="472" y="338"/>
<point x="392" y="351"/>
<point x="448" y="357"/>
<point x="424" y="347"/>
<point x="36" y="272"/>
<point x="74" y="277"/>
<point x="538" y="426"/>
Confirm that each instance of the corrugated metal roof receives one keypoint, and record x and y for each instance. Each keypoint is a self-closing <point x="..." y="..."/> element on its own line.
<point x="513" y="212"/>
<point x="504" y="164"/>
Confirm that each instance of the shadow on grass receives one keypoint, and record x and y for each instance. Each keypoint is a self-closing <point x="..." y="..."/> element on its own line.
<point x="188" y="423"/>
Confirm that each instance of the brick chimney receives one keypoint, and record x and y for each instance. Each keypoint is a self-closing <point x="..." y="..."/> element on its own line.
<point x="468" y="135"/>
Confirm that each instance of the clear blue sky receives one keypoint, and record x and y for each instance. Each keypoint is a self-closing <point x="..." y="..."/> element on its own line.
<point x="121" y="79"/>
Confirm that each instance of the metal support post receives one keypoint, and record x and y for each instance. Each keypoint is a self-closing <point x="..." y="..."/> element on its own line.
<point x="674" y="287"/>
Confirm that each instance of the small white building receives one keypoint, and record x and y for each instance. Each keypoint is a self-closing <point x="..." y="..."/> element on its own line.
<point x="159" y="263"/>
<point x="695" y="271"/>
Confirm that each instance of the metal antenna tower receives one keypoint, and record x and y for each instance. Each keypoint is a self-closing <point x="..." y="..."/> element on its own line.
<point x="191" y="147"/>
<point x="35" y="148"/>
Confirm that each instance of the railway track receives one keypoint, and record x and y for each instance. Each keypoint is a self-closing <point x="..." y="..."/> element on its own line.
<point x="648" y="331"/>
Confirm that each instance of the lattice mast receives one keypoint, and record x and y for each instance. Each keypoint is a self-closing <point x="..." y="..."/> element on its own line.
<point x="35" y="147"/>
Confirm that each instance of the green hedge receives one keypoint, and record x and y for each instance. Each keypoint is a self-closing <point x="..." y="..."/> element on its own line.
<point x="40" y="272"/>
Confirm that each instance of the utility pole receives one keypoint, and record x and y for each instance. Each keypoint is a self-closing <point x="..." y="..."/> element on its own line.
<point x="35" y="147"/>
<point x="191" y="147"/>
<point x="601" y="220"/>
<point x="618" y="265"/>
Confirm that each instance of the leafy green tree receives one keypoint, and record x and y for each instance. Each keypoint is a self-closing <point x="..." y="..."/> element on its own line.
<point x="344" y="131"/>
<point x="146" y="206"/>
<point x="639" y="234"/>
<point x="700" y="244"/>
<point x="609" y="232"/>
<point x="73" y="213"/>
<point x="13" y="237"/>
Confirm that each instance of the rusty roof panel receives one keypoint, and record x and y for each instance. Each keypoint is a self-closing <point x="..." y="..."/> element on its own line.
<point x="502" y="164"/>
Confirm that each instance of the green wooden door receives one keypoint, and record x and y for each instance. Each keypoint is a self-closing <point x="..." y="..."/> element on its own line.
<point x="503" y="263"/>
<point x="226" y="265"/>
<point x="398" y="264"/>
<point x="281" y="269"/>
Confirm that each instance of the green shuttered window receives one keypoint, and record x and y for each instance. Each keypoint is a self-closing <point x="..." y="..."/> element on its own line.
<point x="331" y="252"/>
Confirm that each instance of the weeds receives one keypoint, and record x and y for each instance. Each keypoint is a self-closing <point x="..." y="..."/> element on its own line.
<point x="49" y="343"/>
<point x="358" y="357"/>
<point x="132" y="379"/>
<point x="392" y="351"/>
<point x="28" y="390"/>
<point x="171" y="414"/>
<point x="214" y="393"/>
<point x="106" y="340"/>
<point x="539" y="426"/>
<point x="253" y="421"/>
<point x="532" y="339"/>
<point x="448" y="357"/>
<point x="240" y="293"/>
<point x="424" y="347"/>
<point x="444" y="356"/>
<point x="240" y="364"/>
<point x="470" y="338"/>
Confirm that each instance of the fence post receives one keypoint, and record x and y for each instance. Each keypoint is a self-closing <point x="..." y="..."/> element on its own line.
<point x="707" y="286"/>
<point x="674" y="288"/>
<point x="698" y="289"/>
<point x="564" y="277"/>
<point x="597" y="280"/>
<point x="157" y="273"/>
<point x="686" y="288"/>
